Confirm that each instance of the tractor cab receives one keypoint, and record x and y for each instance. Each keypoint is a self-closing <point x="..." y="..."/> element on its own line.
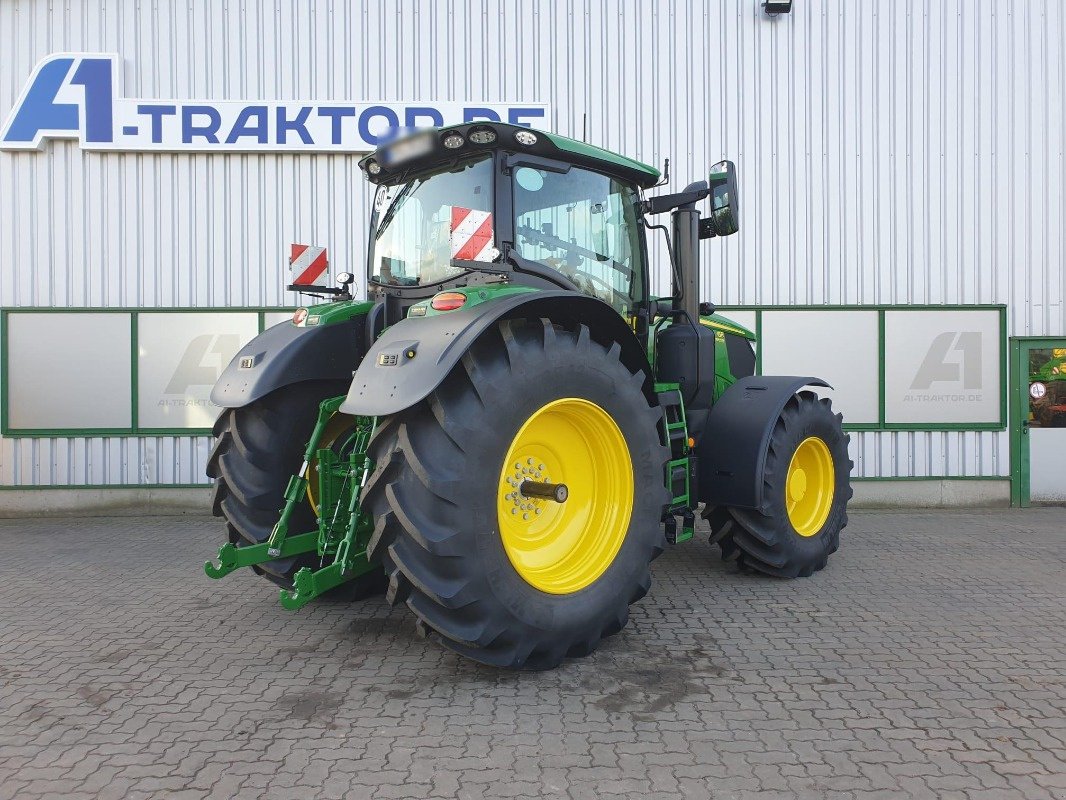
<point x="494" y="203"/>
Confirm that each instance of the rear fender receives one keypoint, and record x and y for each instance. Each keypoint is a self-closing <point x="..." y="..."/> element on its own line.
<point x="733" y="445"/>
<point x="286" y="354"/>
<point x="414" y="356"/>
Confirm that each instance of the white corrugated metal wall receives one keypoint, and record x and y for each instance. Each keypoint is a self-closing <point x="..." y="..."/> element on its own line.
<point x="892" y="152"/>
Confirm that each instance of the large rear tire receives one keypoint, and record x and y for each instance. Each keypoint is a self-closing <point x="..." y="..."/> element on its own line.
<point x="258" y="448"/>
<point x="806" y="489"/>
<point x="490" y="572"/>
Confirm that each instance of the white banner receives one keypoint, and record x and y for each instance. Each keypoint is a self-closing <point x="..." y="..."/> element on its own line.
<point x="179" y="358"/>
<point x="943" y="366"/>
<point x="78" y="96"/>
<point x="68" y="370"/>
<point x="838" y="346"/>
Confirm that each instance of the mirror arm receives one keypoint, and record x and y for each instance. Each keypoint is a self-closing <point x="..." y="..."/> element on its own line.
<point x="668" y="202"/>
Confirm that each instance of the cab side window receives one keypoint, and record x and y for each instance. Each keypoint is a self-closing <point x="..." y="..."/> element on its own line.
<point x="585" y="225"/>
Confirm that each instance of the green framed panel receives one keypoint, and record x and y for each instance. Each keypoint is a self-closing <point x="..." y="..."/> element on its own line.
<point x="180" y="357"/>
<point x="68" y="371"/>
<point x="135" y="428"/>
<point x="840" y="348"/>
<point x="882" y="424"/>
<point x="938" y="369"/>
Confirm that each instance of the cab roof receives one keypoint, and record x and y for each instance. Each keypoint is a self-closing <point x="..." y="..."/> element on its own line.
<point x="425" y="149"/>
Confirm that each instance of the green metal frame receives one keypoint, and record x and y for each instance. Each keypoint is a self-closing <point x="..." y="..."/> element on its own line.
<point x="882" y="424"/>
<point x="1019" y="404"/>
<point x="134" y="428"/>
<point x="340" y="539"/>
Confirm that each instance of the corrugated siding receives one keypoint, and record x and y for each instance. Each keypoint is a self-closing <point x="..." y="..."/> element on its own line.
<point x="889" y="152"/>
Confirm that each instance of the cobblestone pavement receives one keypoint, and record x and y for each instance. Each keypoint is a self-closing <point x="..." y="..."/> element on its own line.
<point x="929" y="660"/>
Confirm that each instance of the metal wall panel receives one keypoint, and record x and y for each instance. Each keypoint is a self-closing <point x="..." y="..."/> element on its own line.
<point x="889" y="152"/>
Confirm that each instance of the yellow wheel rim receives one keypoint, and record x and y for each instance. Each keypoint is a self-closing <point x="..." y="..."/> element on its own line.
<point x="809" y="486"/>
<point x="561" y="548"/>
<point x="335" y="428"/>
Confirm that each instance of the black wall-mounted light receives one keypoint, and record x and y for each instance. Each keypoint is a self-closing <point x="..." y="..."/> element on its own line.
<point x="775" y="7"/>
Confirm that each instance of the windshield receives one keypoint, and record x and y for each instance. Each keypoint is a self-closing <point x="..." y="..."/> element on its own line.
<point x="585" y="225"/>
<point x="429" y="221"/>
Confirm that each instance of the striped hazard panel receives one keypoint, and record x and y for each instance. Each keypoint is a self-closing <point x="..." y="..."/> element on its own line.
<point x="471" y="237"/>
<point x="307" y="263"/>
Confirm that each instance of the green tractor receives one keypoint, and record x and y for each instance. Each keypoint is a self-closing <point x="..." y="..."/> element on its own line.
<point x="506" y="434"/>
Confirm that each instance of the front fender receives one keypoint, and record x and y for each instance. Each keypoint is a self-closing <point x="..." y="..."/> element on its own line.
<point x="413" y="357"/>
<point x="285" y="354"/>
<point x="732" y="448"/>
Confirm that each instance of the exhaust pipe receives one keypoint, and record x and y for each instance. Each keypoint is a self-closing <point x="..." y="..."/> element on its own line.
<point x="686" y="275"/>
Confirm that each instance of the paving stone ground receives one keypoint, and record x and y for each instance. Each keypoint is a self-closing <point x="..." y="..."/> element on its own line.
<point x="929" y="660"/>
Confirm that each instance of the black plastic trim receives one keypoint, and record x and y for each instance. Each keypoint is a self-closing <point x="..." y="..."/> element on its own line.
<point x="285" y="354"/>
<point x="391" y="379"/>
<point x="732" y="447"/>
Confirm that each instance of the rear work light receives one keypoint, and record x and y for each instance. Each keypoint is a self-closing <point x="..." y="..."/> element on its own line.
<point x="448" y="301"/>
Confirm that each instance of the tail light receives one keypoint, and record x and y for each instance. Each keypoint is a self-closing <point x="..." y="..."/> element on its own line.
<point x="448" y="301"/>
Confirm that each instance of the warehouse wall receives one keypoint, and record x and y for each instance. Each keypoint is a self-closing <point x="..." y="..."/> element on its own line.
<point x="893" y="152"/>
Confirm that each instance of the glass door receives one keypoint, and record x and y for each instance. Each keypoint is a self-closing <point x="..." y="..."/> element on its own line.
<point x="1040" y="420"/>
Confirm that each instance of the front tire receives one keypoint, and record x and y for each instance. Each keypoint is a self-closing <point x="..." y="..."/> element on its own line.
<point x="806" y="489"/>
<point x="492" y="573"/>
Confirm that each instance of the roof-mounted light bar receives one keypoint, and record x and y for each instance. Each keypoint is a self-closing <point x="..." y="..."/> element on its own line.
<point x="447" y="143"/>
<point x="392" y="162"/>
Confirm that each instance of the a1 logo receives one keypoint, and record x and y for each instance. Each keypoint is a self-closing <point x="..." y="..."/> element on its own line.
<point x="67" y="96"/>
<point x="939" y="366"/>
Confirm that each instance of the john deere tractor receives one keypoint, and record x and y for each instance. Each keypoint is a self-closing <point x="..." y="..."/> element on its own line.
<point x="509" y="430"/>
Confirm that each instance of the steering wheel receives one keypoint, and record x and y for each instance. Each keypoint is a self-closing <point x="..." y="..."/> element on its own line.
<point x="597" y="280"/>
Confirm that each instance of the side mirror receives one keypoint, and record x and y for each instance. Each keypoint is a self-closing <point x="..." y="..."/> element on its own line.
<point x="725" y="203"/>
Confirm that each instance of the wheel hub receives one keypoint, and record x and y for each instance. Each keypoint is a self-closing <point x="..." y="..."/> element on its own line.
<point x="565" y="496"/>
<point x="810" y="486"/>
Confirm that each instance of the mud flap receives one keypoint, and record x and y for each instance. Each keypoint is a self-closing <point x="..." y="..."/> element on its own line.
<point x="732" y="448"/>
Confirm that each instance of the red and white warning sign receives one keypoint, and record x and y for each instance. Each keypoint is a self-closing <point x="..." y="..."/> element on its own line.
<point x="307" y="263"/>
<point x="471" y="234"/>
